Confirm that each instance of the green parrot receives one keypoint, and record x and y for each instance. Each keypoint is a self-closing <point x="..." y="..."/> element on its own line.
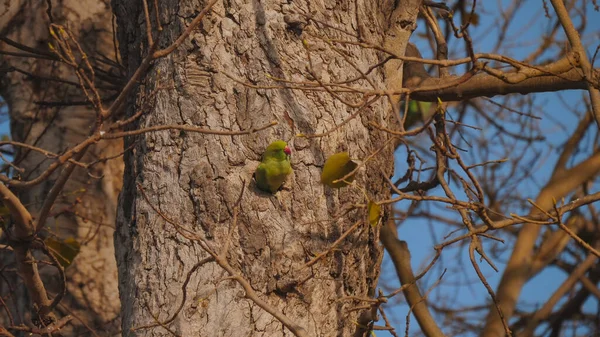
<point x="414" y="75"/>
<point x="274" y="168"/>
<point x="417" y="112"/>
<point x="336" y="167"/>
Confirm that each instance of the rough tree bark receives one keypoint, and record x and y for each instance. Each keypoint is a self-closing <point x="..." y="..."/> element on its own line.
<point x="87" y="206"/>
<point x="195" y="180"/>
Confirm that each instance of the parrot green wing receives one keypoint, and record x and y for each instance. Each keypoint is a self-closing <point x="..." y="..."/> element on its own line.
<point x="260" y="176"/>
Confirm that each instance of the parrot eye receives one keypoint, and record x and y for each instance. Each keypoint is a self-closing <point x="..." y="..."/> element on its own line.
<point x="287" y="150"/>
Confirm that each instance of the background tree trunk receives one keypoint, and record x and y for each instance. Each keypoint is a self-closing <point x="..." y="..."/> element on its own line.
<point x="87" y="206"/>
<point x="196" y="179"/>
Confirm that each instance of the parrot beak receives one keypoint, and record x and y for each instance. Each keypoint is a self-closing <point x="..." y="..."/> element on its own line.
<point x="287" y="151"/>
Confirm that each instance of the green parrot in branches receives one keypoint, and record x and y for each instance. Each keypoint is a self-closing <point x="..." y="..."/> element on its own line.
<point x="274" y="168"/>
<point x="417" y="112"/>
<point x="414" y="75"/>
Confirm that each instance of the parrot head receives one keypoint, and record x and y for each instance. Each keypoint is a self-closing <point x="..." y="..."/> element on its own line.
<point x="278" y="149"/>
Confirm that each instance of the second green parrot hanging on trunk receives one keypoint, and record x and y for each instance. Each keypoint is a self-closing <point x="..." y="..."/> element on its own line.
<point x="274" y="167"/>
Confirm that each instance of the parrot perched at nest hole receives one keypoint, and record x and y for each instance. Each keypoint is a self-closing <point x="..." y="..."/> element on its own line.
<point x="274" y="167"/>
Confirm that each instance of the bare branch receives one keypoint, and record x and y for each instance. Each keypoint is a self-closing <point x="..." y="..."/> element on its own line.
<point x="400" y="256"/>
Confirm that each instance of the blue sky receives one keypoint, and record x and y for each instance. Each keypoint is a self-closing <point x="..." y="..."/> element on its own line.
<point x="523" y="36"/>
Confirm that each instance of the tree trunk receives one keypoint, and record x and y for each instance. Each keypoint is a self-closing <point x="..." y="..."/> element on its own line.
<point x="86" y="208"/>
<point x="195" y="180"/>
